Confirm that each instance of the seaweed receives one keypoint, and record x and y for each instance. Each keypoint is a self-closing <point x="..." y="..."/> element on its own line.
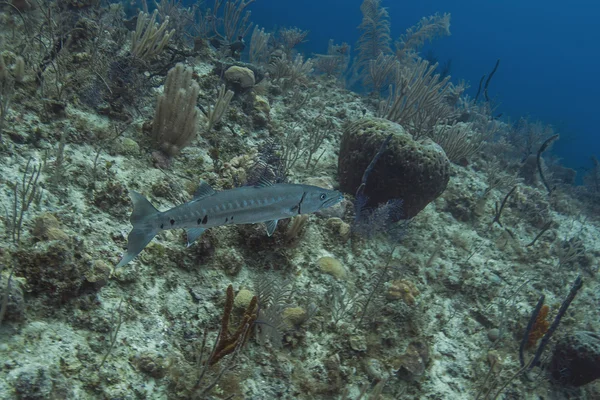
<point x="499" y="208"/>
<point x="543" y="148"/>
<point x="28" y="192"/>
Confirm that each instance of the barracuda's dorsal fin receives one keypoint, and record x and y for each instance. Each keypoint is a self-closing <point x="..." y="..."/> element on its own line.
<point x="263" y="182"/>
<point x="271" y="225"/>
<point x="204" y="190"/>
<point x="142" y="208"/>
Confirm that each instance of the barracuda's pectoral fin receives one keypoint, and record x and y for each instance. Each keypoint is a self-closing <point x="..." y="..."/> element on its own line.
<point x="193" y="234"/>
<point x="204" y="190"/>
<point x="136" y="241"/>
<point x="271" y="225"/>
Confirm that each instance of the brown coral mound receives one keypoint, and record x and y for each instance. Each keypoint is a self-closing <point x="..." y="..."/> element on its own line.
<point x="576" y="359"/>
<point x="416" y="171"/>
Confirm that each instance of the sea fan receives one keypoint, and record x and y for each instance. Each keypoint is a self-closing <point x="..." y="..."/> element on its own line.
<point x="273" y="297"/>
<point x="369" y="222"/>
<point x="375" y="38"/>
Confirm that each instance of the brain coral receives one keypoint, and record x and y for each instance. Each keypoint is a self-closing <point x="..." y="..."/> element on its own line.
<point x="416" y="171"/>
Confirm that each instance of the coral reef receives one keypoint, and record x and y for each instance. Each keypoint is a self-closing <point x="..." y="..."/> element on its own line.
<point x="60" y="270"/>
<point x="442" y="274"/>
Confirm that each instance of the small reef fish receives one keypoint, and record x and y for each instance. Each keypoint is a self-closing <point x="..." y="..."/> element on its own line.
<point x="265" y="202"/>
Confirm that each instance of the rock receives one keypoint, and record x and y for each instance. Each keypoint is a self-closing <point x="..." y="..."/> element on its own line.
<point x="152" y="364"/>
<point x="57" y="270"/>
<point x="47" y="227"/>
<point x="82" y="57"/>
<point x="126" y="146"/>
<point x="576" y="359"/>
<point x="230" y="261"/>
<point x="162" y="189"/>
<point x="98" y="275"/>
<point x="261" y="105"/>
<point x="340" y="228"/>
<point x="493" y="334"/>
<point x="495" y="360"/>
<point x="413" y="362"/>
<point x="34" y="381"/>
<point x="241" y="77"/>
<point x="15" y="305"/>
<point x="320" y="181"/>
<point x="261" y="110"/>
<point x="358" y="343"/>
<point x="113" y="197"/>
<point x="376" y="369"/>
<point x="415" y="171"/>
<point x="333" y="366"/>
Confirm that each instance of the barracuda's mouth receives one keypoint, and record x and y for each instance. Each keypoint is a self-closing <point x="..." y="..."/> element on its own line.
<point x="332" y="201"/>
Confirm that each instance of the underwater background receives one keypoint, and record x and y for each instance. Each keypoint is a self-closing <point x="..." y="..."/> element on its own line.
<point x="260" y="199"/>
<point x="548" y="51"/>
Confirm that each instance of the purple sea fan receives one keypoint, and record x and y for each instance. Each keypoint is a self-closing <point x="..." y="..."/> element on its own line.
<point x="369" y="222"/>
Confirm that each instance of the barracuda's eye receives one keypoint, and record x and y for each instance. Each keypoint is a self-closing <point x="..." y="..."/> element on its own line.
<point x="323" y="196"/>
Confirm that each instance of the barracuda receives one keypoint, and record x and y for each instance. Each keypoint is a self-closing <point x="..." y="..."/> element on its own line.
<point x="266" y="203"/>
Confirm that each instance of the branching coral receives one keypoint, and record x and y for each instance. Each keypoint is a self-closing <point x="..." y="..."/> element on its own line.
<point x="149" y="39"/>
<point x="201" y="379"/>
<point x="527" y="136"/>
<point x="7" y="85"/>
<point x="216" y="112"/>
<point x="290" y="38"/>
<point x="592" y="178"/>
<point x="287" y="72"/>
<point x="459" y="141"/>
<point x="335" y="62"/>
<point x="176" y="119"/>
<point x="381" y="71"/>
<point x="235" y="19"/>
<point x="428" y="28"/>
<point x="259" y="45"/>
<point x="228" y="342"/>
<point x="375" y="38"/>
<point x="418" y="100"/>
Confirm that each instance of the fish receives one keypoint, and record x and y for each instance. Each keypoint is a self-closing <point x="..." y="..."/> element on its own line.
<point x="264" y="203"/>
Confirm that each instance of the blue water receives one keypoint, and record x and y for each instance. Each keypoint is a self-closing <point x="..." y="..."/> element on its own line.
<point x="548" y="50"/>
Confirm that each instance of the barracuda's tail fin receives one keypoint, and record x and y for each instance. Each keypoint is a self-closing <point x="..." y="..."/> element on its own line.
<point x="142" y="233"/>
